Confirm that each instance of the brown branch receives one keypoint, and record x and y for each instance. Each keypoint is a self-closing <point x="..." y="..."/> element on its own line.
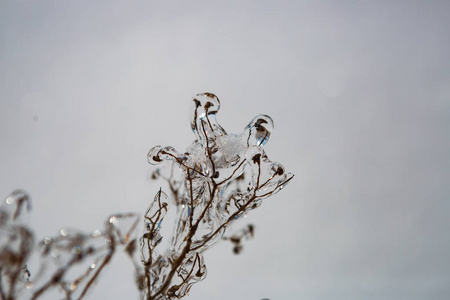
<point x="181" y="163"/>
<point x="278" y="185"/>
<point x="196" y="259"/>
<point x="208" y="149"/>
<point x="212" y="193"/>
<point x="57" y="276"/>
<point x="235" y="170"/>
<point x="191" y="215"/>
<point x="149" y="236"/>
<point x="106" y="260"/>
<point x="240" y="210"/>
<point x="176" y="263"/>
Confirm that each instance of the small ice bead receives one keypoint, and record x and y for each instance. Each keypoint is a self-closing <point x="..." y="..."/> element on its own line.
<point x="277" y="169"/>
<point x="64" y="232"/>
<point x="15" y="205"/>
<point x="76" y="250"/>
<point x="205" y="104"/>
<point x="17" y="195"/>
<point x="73" y="286"/>
<point x="153" y="155"/>
<point x="54" y="253"/>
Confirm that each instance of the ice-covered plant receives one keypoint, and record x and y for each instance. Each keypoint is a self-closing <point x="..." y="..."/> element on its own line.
<point x="69" y="262"/>
<point x="215" y="182"/>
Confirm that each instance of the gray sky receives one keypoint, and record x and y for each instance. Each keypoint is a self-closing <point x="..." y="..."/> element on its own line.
<point x="360" y="96"/>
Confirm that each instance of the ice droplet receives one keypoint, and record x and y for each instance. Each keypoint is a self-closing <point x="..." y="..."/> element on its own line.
<point x="14" y="206"/>
<point x="258" y="130"/>
<point x="157" y="155"/>
<point x="64" y="231"/>
<point x="153" y="156"/>
<point x="17" y="196"/>
<point x="204" y="124"/>
<point x="54" y="253"/>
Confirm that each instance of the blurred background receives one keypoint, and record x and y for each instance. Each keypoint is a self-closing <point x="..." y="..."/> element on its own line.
<point x="360" y="96"/>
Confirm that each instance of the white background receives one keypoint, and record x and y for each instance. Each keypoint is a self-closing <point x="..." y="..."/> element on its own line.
<point x="360" y="96"/>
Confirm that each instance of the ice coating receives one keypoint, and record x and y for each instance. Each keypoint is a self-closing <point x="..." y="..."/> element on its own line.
<point x="16" y="244"/>
<point x="222" y="177"/>
<point x="76" y="259"/>
<point x="204" y="123"/>
<point x="16" y="205"/>
<point x="69" y="262"/>
<point x="258" y="130"/>
<point x="216" y="181"/>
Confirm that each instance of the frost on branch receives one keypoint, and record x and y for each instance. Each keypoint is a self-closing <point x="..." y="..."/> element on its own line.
<point x="217" y="180"/>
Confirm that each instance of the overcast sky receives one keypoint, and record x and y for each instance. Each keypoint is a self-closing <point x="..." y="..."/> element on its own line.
<point x="359" y="92"/>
